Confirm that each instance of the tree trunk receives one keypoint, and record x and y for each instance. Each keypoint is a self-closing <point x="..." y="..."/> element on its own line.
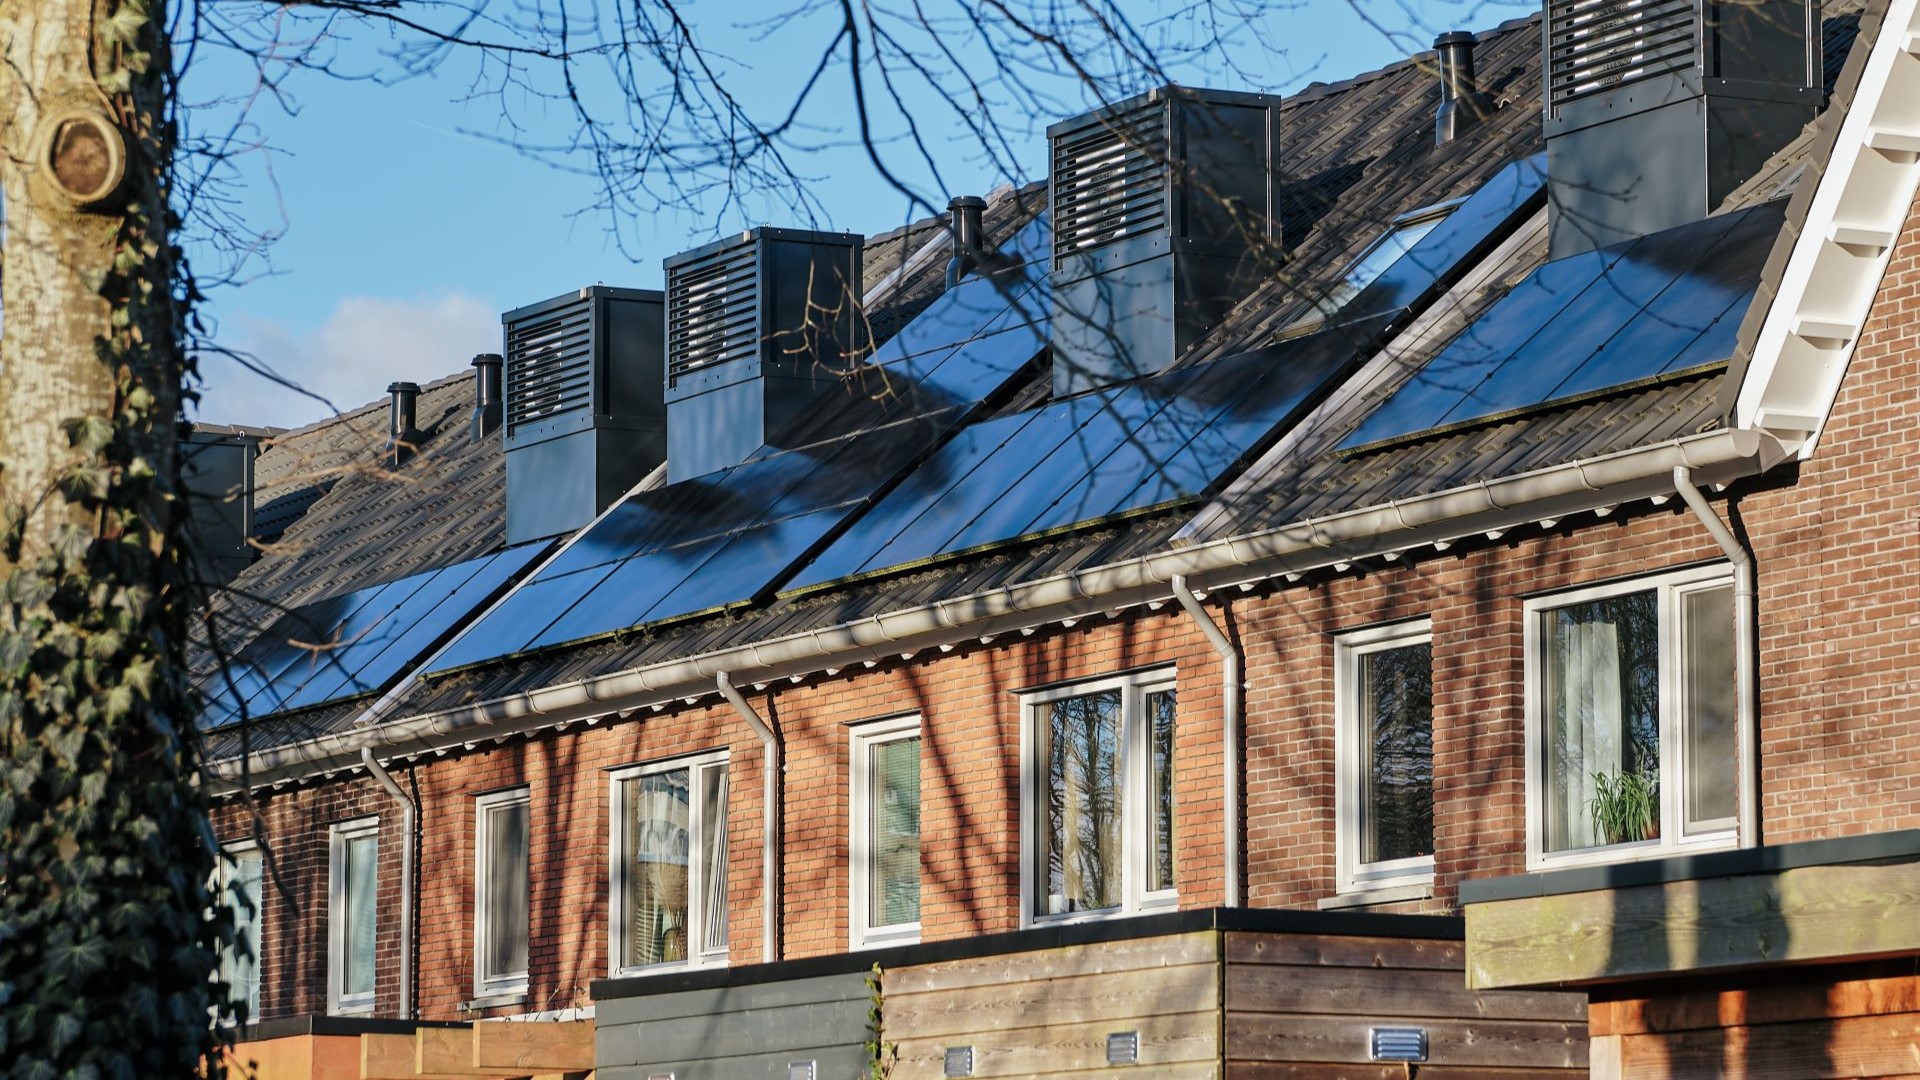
<point x="105" y="950"/>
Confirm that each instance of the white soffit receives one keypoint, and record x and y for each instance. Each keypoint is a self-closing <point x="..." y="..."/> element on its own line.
<point x="1841" y="255"/>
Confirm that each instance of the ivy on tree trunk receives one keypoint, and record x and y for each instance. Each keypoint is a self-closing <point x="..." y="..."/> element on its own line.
<point x="107" y="950"/>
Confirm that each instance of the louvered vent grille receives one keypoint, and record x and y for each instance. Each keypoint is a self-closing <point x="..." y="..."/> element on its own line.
<point x="550" y="365"/>
<point x="1109" y="180"/>
<point x="1596" y="45"/>
<point x="713" y="311"/>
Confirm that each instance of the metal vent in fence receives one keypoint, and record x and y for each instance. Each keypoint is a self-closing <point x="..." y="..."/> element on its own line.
<point x="1110" y="179"/>
<point x="713" y="310"/>
<point x="1397" y="1044"/>
<point x="1123" y="1048"/>
<point x="550" y="364"/>
<point x="959" y="1061"/>
<point x="1596" y="45"/>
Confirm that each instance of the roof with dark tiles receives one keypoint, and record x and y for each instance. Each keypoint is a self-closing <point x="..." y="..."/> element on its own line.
<point x="1362" y="152"/>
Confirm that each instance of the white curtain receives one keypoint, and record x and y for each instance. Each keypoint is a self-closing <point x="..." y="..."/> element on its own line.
<point x="1587" y="727"/>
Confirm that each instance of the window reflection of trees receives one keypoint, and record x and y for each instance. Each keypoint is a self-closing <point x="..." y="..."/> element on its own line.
<point x="1083" y="821"/>
<point x="1398" y="688"/>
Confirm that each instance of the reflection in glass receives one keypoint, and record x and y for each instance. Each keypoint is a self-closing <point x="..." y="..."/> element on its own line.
<point x="1160" y="721"/>
<point x="1706" y="618"/>
<point x="894" y="832"/>
<point x="504" y="953"/>
<point x="1082" y="828"/>
<point x="1396" y="723"/>
<point x="1602" y="710"/>
<point x="359" y="894"/>
<point x="658" y="843"/>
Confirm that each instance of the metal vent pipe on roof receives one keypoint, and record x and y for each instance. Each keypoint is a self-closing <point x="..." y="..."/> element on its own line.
<point x="969" y="236"/>
<point x="487" y="369"/>
<point x="403" y="433"/>
<point x="1462" y="105"/>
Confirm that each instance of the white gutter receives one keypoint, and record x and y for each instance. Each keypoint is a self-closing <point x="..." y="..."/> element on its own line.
<point x="1230" y="730"/>
<point x="409" y="816"/>
<point x="772" y="763"/>
<point x="1746" y="666"/>
<point x="1312" y="544"/>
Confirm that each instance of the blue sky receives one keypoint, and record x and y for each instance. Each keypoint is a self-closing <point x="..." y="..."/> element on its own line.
<point x="405" y="225"/>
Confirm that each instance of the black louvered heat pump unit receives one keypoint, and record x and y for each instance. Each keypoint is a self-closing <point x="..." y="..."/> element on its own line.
<point x="1165" y="215"/>
<point x="585" y="413"/>
<point x="1657" y="109"/>
<point x="759" y="326"/>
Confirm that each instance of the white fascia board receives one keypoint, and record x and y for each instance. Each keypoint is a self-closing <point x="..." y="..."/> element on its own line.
<point x="1834" y="271"/>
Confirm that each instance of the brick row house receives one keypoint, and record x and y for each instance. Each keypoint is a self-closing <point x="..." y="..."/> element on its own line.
<point x="1408" y="578"/>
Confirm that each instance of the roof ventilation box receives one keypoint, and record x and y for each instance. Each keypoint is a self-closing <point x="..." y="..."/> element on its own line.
<point x="217" y="470"/>
<point x="1657" y="109"/>
<point x="584" y="419"/>
<point x="1164" y="210"/>
<point x="759" y="327"/>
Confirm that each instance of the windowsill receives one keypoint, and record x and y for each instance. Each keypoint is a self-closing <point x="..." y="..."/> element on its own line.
<point x="1153" y="907"/>
<point x="672" y="968"/>
<point x="1379" y="894"/>
<point x="364" y="1008"/>
<point x="882" y="939"/>
<point x="499" y="999"/>
<point x="1644" y="851"/>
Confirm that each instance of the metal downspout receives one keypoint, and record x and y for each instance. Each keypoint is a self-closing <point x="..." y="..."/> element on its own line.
<point x="409" y="822"/>
<point x="772" y="851"/>
<point x="1230" y="722"/>
<point x="1746" y="633"/>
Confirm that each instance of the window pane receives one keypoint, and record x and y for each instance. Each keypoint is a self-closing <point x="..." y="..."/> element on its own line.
<point x="893" y="785"/>
<point x="505" y="951"/>
<point x="714" y="821"/>
<point x="1396" y="726"/>
<point x="1082" y="867"/>
<point x="658" y="841"/>
<point x="1160" y="734"/>
<point x="1708" y="716"/>
<point x="360" y="892"/>
<point x="1602" y="712"/>
<point x="240" y="966"/>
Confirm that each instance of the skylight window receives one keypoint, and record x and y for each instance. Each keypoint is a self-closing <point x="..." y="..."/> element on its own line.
<point x="1401" y="236"/>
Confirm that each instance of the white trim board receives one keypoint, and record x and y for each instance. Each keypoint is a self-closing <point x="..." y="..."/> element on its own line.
<point x="1840" y="256"/>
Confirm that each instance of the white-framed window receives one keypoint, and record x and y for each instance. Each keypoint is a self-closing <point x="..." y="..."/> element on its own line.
<point x="669" y="865"/>
<point x="885" y="833"/>
<point x="1383" y="753"/>
<point x="352" y="899"/>
<point x="1096" y="801"/>
<point x="502" y="834"/>
<point x="237" y="881"/>
<point x="1631" y="718"/>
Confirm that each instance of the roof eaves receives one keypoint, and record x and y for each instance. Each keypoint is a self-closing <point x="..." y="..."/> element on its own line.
<point x="1388" y="528"/>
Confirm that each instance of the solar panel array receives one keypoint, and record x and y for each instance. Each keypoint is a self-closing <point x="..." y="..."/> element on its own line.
<point x="1663" y="303"/>
<point x="728" y="537"/>
<point x="1111" y="452"/>
<point x="355" y="643"/>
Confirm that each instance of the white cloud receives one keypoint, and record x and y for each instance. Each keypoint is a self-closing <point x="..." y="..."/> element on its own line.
<point x="365" y="343"/>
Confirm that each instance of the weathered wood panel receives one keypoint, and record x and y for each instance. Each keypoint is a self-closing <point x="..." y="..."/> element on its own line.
<point x="1049" y="1012"/>
<point x="1190" y="1039"/>
<point x="1341" y="951"/>
<point x="1860" y="1020"/>
<point x="297" y="1057"/>
<point x="1857" y="1046"/>
<point x="1302" y="1006"/>
<point x="1804" y="914"/>
<point x="1386" y="992"/>
<point x="1537" y="1044"/>
<point x="736" y="1033"/>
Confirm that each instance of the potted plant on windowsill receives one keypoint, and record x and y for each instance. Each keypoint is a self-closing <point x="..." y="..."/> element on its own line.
<point x="1625" y="806"/>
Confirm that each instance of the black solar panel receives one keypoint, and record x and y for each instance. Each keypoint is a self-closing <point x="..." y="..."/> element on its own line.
<point x="1118" y="450"/>
<point x="1605" y="318"/>
<point x="355" y="643"/>
<point x="724" y="538"/>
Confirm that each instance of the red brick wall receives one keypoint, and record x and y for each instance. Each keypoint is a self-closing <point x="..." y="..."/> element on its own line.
<point x="1840" y="729"/>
